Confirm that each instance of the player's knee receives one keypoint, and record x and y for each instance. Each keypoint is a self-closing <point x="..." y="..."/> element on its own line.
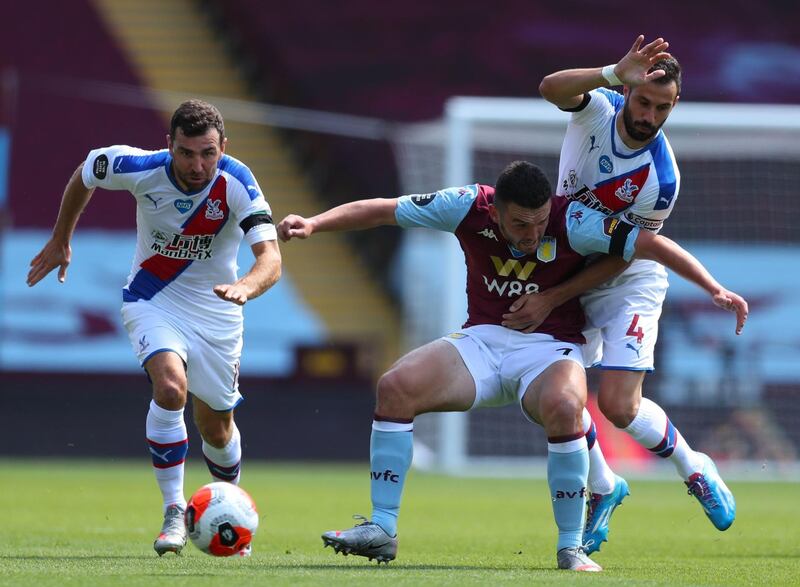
<point x="216" y="435"/>
<point x="169" y="394"/>
<point x="394" y="393"/>
<point x="562" y="410"/>
<point x="620" y="411"/>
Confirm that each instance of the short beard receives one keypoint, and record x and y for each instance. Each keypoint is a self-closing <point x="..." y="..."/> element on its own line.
<point x="635" y="133"/>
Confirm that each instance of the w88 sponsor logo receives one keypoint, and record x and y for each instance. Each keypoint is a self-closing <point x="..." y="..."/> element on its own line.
<point x="514" y="287"/>
<point x="511" y="288"/>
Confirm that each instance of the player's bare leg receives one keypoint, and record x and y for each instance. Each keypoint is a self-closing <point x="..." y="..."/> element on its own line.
<point x="429" y="379"/>
<point x="556" y="399"/>
<point x="167" y="439"/>
<point x="622" y="403"/>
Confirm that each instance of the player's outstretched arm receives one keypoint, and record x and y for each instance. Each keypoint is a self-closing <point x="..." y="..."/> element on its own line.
<point x="57" y="251"/>
<point x="357" y="215"/>
<point x="671" y="254"/>
<point x="529" y="310"/>
<point x="565" y="88"/>
<point x="264" y="273"/>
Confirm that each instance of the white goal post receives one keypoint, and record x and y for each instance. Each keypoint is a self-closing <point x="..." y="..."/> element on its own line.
<point x="740" y="169"/>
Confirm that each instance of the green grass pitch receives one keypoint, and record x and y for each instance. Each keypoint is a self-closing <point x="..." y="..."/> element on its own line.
<point x="76" y="523"/>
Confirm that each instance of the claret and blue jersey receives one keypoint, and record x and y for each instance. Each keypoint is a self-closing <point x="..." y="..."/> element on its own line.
<point x="496" y="273"/>
<point x="187" y="242"/>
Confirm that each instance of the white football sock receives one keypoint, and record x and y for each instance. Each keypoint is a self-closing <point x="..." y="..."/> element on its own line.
<point x="653" y="430"/>
<point x="601" y="477"/>
<point x="166" y="437"/>
<point x="224" y="463"/>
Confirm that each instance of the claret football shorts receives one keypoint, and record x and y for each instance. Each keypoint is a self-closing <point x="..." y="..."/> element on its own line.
<point x="504" y="362"/>
<point x="211" y="357"/>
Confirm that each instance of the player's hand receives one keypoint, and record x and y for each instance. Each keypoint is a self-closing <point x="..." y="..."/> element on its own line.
<point x="294" y="226"/>
<point x="54" y="254"/>
<point x="632" y="69"/>
<point x="728" y="300"/>
<point x="528" y="312"/>
<point x="232" y="292"/>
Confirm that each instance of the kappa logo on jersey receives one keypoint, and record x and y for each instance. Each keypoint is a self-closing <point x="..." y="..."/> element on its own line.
<point x="626" y="191"/>
<point x="212" y="209"/>
<point x="606" y="166"/>
<point x="183" y="246"/>
<point x="423" y="199"/>
<point x="547" y="249"/>
<point x="100" y="167"/>
<point x="488" y="233"/>
<point x="183" y="206"/>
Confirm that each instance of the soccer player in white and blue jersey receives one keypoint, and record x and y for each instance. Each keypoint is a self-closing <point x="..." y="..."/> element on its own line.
<point x="616" y="159"/>
<point x="182" y="302"/>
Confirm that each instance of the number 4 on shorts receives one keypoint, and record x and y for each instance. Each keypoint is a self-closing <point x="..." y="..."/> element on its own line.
<point x="634" y="331"/>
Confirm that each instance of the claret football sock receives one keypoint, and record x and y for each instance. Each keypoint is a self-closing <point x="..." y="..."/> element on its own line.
<point x="224" y="463"/>
<point x="653" y="430"/>
<point x="391" y="448"/>
<point x="567" y="470"/>
<point x="601" y="477"/>
<point x="166" y="438"/>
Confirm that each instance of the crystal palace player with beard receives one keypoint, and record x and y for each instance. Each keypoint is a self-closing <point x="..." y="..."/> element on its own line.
<point x="516" y="238"/>
<point x="182" y="304"/>
<point x="615" y="159"/>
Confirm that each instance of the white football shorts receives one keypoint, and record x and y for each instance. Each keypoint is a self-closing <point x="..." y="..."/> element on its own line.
<point x="504" y="362"/>
<point x="622" y="321"/>
<point x="211" y="357"/>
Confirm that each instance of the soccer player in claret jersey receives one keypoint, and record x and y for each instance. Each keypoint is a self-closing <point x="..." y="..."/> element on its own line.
<point x="182" y="303"/>
<point x="516" y="238"/>
<point x="615" y="159"/>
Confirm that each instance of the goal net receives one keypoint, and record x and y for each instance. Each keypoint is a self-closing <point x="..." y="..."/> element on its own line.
<point x="737" y="398"/>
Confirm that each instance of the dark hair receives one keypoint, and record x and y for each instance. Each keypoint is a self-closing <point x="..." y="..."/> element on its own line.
<point x="195" y="118"/>
<point x="672" y="69"/>
<point x="524" y="184"/>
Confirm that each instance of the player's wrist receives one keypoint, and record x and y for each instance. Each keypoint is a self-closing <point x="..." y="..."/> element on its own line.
<point x="554" y="297"/>
<point x="610" y="76"/>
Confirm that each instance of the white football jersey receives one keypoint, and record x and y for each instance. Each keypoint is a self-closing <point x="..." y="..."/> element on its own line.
<point x="187" y="242"/>
<point x="598" y="170"/>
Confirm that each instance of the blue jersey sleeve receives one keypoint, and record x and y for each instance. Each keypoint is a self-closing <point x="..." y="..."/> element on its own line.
<point x="590" y="231"/>
<point x="442" y="210"/>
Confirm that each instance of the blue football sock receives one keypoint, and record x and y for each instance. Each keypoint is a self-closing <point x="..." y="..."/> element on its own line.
<point x="566" y="476"/>
<point x="390" y="459"/>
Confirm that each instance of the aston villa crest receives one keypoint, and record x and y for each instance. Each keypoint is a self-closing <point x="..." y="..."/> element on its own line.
<point x="547" y="249"/>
